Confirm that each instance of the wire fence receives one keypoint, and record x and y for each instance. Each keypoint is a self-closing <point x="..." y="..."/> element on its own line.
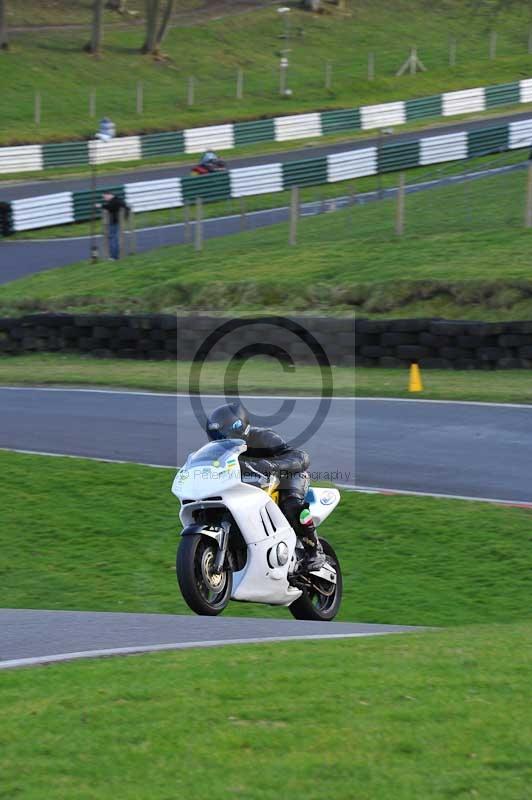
<point x="359" y="214"/>
<point x="474" y="198"/>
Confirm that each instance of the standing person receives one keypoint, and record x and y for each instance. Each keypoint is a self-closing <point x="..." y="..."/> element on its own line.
<point x="107" y="130"/>
<point x="114" y="205"/>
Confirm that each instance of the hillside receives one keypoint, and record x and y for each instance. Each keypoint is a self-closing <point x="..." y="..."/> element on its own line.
<point x="212" y="50"/>
<point x="465" y="254"/>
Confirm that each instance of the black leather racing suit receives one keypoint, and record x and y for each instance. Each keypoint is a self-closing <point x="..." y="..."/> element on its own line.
<point x="268" y="453"/>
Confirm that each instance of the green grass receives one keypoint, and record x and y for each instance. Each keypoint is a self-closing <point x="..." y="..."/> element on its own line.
<point x="502" y="386"/>
<point x="257" y="376"/>
<point x="254" y="376"/>
<point x="433" y="716"/>
<point x="91" y="536"/>
<point x="213" y="50"/>
<point x="465" y="254"/>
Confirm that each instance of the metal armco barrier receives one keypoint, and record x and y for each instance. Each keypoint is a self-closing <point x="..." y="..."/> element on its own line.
<point x="43" y="212"/>
<point x="36" y="157"/>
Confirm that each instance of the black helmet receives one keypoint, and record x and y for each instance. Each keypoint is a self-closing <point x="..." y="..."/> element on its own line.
<point x="228" y="422"/>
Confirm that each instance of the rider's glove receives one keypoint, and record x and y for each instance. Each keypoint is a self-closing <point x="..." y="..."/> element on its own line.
<point x="261" y="465"/>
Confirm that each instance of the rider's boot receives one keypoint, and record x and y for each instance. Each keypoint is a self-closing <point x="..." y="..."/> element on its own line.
<point x="314" y="555"/>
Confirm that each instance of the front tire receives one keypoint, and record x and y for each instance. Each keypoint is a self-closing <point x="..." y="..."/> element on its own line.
<point x="204" y="591"/>
<point x="316" y="605"/>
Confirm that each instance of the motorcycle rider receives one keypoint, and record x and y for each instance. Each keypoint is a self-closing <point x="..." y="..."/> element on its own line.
<point x="268" y="454"/>
<point x="208" y="158"/>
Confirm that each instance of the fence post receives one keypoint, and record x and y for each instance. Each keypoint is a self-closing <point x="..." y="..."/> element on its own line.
<point x="240" y="84"/>
<point x="400" y="208"/>
<point x="493" y="44"/>
<point x="140" y="97"/>
<point x="283" y="75"/>
<point x="92" y="103"/>
<point x="105" y="234"/>
<point x="328" y="76"/>
<point x="452" y="52"/>
<point x="121" y="233"/>
<point x="371" y="66"/>
<point x="190" y="91"/>
<point x="243" y="217"/>
<point x="188" y="232"/>
<point x="132" y="238"/>
<point x="37" y="108"/>
<point x="294" y="214"/>
<point x="198" y="229"/>
<point x="528" y="212"/>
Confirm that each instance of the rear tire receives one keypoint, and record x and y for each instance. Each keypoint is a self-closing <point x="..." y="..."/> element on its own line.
<point x="314" y="605"/>
<point x="204" y="591"/>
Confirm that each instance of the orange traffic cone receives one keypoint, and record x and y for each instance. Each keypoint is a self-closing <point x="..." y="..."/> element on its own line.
<point x="415" y="384"/>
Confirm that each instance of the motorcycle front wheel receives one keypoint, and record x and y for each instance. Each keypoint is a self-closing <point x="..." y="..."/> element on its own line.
<point x="205" y="591"/>
<point x="321" y="601"/>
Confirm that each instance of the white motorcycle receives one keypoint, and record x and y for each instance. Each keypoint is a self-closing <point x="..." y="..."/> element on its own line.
<point x="238" y="545"/>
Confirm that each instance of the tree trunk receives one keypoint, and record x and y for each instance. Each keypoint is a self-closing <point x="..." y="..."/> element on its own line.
<point x="4" y="44"/>
<point x="312" y="5"/>
<point x="95" y="44"/>
<point x="165" y="22"/>
<point x="152" y="15"/>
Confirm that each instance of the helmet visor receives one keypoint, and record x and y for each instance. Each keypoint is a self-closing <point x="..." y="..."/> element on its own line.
<point x="233" y="430"/>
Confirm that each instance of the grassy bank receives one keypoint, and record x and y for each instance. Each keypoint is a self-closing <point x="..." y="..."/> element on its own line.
<point x="260" y="377"/>
<point x="91" y="536"/>
<point x="464" y="254"/>
<point x="214" y="49"/>
<point x="407" y="716"/>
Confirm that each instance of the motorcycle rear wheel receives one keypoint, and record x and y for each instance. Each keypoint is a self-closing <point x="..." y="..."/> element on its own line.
<point x="317" y="606"/>
<point x="205" y="592"/>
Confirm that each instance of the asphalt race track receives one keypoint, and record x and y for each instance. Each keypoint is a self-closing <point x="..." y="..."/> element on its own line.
<point x="458" y="449"/>
<point x="39" y="637"/>
<point x="14" y="190"/>
<point x="157" y="429"/>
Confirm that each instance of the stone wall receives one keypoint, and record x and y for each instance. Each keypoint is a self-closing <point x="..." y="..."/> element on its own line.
<point x="344" y="341"/>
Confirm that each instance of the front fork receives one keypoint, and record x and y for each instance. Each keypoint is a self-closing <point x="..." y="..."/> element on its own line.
<point x="222" y="548"/>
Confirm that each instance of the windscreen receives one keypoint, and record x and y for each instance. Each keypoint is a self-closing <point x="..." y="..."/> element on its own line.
<point x="217" y="454"/>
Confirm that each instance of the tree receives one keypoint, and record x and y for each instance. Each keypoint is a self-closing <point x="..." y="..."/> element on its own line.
<point x="94" y="46"/>
<point x="4" y="43"/>
<point x="312" y="5"/>
<point x="157" y="24"/>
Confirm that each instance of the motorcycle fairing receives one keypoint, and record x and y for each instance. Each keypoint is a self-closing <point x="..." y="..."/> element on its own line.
<point x="211" y="478"/>
<point x="321" y="503"/>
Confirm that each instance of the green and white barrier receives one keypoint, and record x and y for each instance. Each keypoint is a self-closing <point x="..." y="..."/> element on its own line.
<point x="42" y="212"/>
<point x="33" y="158"/>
